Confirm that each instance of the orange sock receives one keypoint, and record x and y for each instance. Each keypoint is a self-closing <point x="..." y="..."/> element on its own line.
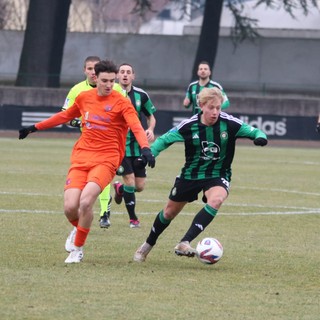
<point x="74" y="222"/>
<point x="81" y="236"/>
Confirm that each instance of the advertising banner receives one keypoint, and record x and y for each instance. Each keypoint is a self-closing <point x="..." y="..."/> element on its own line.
<point x="276" y="127"/>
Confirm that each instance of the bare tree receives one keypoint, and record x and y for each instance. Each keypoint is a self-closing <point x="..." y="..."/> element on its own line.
<point x="3" y="13"/>
<point x="244" y="26"/>
<point x="12" y="14"/>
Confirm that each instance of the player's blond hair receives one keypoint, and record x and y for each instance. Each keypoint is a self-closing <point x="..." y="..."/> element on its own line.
<point x="207" y="94"/>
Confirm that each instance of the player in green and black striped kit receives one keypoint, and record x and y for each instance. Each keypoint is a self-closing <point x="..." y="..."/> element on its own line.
<point x="191" y="99"/>
<point x="133" y="177"/>
<point x="209" y="139"/>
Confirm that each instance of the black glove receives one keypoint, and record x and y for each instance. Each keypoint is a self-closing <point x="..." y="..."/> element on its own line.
<point x="76" y="123"/>
<point x="147" y="157"/>
<point x="260" y="142"/>
<point x="23" y="133"/>
<point x="318" y="127"/>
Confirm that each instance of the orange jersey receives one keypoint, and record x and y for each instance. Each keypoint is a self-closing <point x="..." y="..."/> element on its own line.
<point x="105" y="124"/>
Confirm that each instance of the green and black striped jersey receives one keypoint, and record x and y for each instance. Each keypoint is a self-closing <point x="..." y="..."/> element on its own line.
<point x="194" y="90"/>
<point x="143" y="104"/>
<point x="209" y="150"/>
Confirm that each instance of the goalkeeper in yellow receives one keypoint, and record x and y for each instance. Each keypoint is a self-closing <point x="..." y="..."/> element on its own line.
<point x="89" y="83"/>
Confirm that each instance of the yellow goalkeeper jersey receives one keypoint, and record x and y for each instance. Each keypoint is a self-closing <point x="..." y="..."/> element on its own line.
<point x="84" y="86"/>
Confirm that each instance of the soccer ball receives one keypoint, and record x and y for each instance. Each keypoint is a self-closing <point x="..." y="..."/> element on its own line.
<point x="209" y="250"/>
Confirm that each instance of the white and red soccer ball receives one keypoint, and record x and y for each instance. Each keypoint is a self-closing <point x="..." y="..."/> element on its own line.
<point x="209" y="250"/>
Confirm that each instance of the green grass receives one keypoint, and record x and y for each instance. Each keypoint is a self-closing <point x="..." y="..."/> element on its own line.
<point x="269" y="227"/>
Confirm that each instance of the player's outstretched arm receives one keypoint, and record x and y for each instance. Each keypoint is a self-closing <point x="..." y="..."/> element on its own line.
<point x="55" y="120"/>
<point x="24" y="132"/>
<point x="247" y="131"/>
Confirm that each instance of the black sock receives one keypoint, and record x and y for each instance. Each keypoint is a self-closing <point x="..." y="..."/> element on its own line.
<point x="200" y="222"/>
<point x="129" y="197"/>
<point x="159" y="225"/>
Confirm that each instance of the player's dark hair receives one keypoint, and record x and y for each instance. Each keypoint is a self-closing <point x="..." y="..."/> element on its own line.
<point x="105" y="66"/>
<point x="204" y="62"/>
<point x="126" y="64"/>
<point x="91" y="59"/>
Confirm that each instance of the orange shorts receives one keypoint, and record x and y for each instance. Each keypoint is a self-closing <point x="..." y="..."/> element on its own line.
<point x="80" y="174"/>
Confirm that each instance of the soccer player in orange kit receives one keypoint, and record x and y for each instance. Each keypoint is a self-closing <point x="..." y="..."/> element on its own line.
<point x="106" y="117"/>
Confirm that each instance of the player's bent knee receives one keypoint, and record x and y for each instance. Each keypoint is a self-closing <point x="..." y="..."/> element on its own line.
<point x="71" y="210"/>
<point x="85" y="206"/>
<point x="139" y="189"/>
<point x="216" y="202"/>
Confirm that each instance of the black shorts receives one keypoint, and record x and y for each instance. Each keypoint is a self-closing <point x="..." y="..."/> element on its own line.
<point x="127" y="167"/>
<point x="188" y="190"/>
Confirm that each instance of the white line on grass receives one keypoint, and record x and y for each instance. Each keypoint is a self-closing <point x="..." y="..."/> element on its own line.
<point x="228" y="204"/>
<point x="246" y="188"/>
<point x="281" y="190"/>
<point x="163" y="201"/>
<point x="315" y="211"/>
<point x="286" y="209"/>
<point x="31" y="194"/>
<point x="38" y="172"/>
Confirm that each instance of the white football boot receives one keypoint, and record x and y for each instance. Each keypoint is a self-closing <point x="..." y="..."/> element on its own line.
<point x="184" y="249"/>
<point x="69" y="245"/>
<point x="142" y="252"/>
<point x="75" y="256"/>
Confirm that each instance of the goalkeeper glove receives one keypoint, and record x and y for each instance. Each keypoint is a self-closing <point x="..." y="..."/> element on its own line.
<point x="318" y="127"/>
<point x="147" y="158"/>
<point x="23" y="133"/>
<point x="260" y="142"/>
<point x="76" y="123"/>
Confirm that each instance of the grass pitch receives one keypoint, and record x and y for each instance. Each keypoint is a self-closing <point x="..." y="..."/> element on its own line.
<point x="269" y="227"/>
